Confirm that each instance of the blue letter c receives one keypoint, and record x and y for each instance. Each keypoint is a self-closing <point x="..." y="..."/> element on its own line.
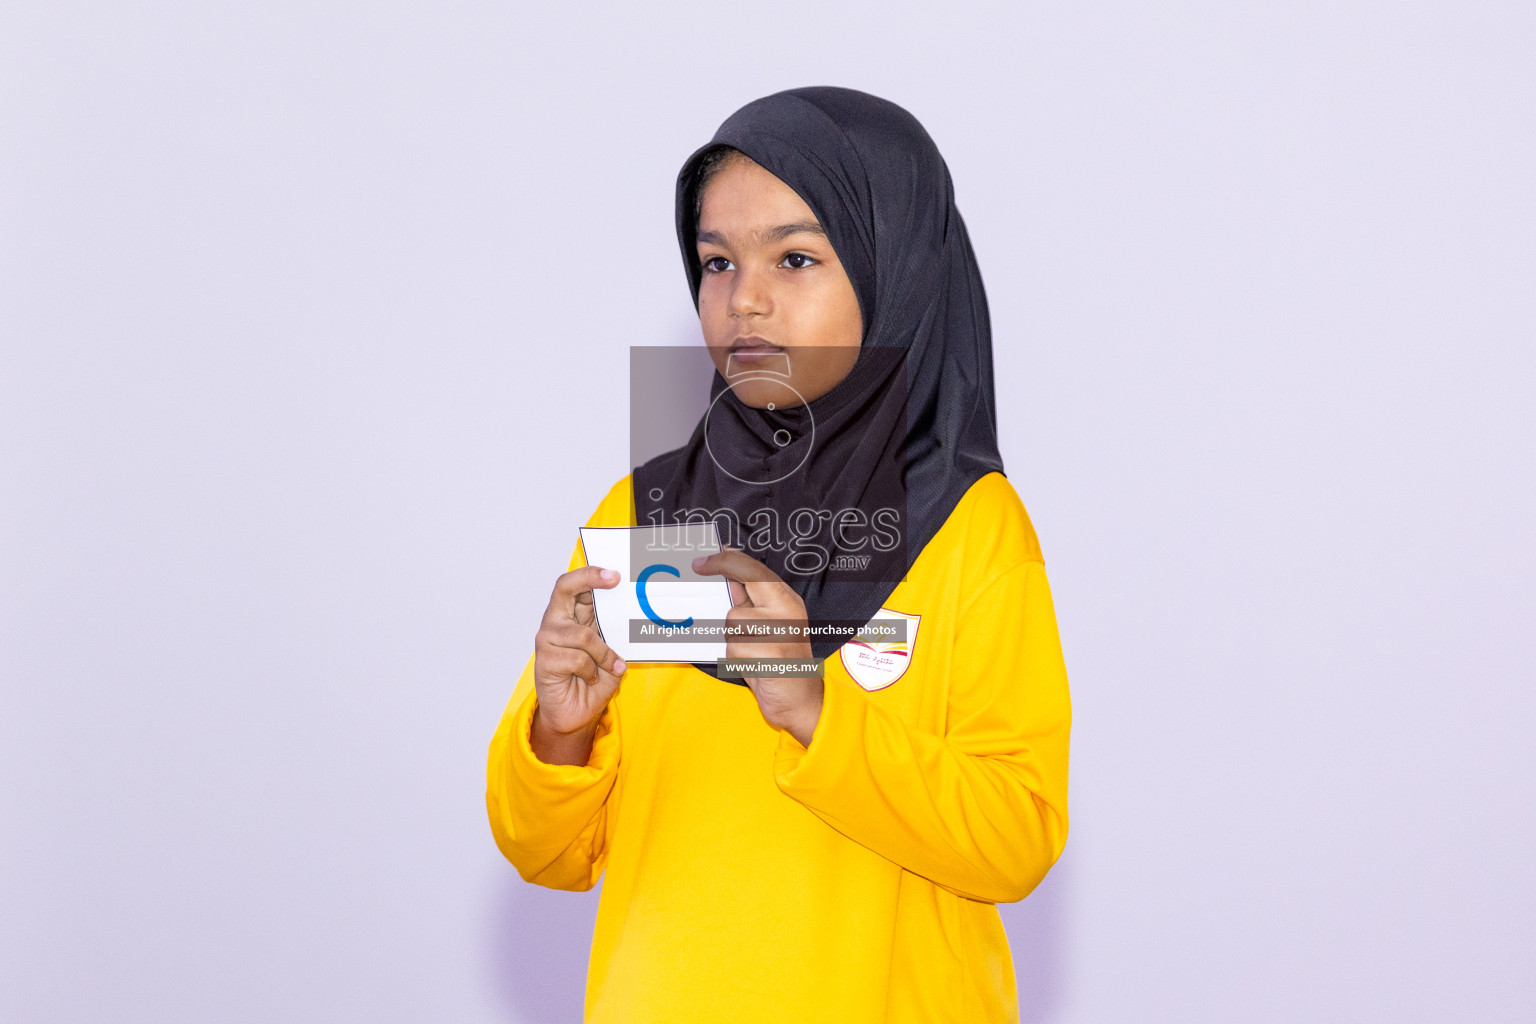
<point x="645" y="604"/>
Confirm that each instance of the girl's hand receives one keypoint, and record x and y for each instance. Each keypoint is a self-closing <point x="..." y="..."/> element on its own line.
<point x="759" y="595"/>
<point x="574" y="671"/>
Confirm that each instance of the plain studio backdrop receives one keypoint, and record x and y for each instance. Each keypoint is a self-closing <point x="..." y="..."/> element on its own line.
<point x="314" y="329"/>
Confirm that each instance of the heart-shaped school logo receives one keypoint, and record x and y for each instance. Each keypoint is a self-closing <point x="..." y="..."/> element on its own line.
<point x="874" y="663"/>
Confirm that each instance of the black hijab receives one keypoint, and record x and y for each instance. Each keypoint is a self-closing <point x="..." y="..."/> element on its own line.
<point x="914" y="423"/>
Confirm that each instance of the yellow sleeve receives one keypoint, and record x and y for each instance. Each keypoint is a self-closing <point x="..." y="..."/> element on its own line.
<point x="551" y="820"/>
<point x="982" y="809"/>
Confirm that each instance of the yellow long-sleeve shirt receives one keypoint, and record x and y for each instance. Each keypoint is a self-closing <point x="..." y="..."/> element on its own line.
<point x="750" y="878"/>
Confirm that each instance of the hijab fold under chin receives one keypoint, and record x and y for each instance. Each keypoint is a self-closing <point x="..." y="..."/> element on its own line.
<point x="913" y="425"/>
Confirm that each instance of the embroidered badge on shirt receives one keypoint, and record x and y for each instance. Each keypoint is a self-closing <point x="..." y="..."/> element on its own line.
<point x="876" y="664"/>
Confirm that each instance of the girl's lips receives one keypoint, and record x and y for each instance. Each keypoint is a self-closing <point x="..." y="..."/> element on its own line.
<point x="756" y="351"/>
<point x="751" y="347"/>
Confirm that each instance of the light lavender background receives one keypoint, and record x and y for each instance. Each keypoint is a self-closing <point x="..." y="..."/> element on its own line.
<point x="313" y="329"/>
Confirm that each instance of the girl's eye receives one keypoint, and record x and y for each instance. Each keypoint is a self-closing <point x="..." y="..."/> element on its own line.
<point x="796" y="261"/>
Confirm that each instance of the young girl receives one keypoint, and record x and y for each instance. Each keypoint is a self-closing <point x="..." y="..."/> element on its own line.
<point x="813" y="848"/>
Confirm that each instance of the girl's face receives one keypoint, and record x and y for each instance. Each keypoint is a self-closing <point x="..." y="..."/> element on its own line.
<point x="773" y="298"/>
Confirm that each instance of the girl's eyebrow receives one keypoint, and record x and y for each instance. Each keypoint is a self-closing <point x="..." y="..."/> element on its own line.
<point x="783" y="231"/>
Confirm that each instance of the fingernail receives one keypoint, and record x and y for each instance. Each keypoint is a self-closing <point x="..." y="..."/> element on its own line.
<point x="699" y="562"/>
<point x="610" y="575"/>
<point x="618" y="666"/>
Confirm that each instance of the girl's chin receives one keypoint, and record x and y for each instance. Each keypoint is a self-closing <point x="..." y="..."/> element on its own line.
<point x="769" y="394"/>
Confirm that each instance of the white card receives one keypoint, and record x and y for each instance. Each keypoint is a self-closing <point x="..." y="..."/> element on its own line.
<point x="673" y="591"/>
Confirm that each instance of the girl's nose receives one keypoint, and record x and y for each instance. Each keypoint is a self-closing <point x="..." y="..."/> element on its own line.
<point x="749" y="295"/>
